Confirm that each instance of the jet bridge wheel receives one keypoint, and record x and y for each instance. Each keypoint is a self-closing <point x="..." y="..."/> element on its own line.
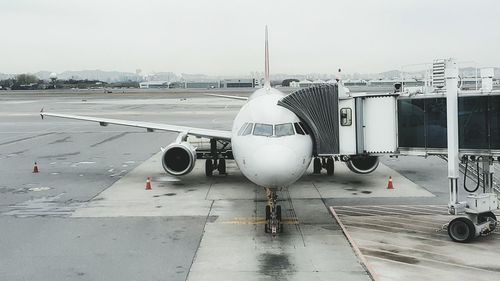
<point x="461" y="230"/>
<point x="483" y="217"/>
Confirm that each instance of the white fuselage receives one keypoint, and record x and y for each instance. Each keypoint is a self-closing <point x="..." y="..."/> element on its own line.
<point x="270" y="156"/>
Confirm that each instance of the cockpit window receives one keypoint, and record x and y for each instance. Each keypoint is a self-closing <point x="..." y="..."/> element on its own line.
<point x="304" y="126"/>
<point x="240" y="132"/>
<point x="263" y="130"/>
<point x="298" y="129"/>
<point x="248" y="129"/>
<point x="283" y="129"/>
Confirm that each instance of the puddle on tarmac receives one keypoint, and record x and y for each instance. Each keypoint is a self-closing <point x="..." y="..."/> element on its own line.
<point x="390" y="256"/>
<point x="275" y="264"/>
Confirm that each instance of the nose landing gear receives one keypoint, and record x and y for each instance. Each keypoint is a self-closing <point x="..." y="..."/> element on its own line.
<point x="274" y="223"/>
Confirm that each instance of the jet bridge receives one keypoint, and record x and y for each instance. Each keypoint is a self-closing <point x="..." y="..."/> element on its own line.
<point x="459" y="126"/>
<point x="345" y="125"/>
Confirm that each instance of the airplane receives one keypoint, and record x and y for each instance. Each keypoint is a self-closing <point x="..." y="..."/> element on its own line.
<point x="271" y="145"/>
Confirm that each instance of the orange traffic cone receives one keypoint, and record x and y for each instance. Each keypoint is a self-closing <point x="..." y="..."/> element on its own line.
<point x="35" y="168"/>
<point x="148" y="184"/>
<point x="389" y="184"/>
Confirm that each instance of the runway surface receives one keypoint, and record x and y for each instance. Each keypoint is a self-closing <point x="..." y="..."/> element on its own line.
<point x="86" y="215"/>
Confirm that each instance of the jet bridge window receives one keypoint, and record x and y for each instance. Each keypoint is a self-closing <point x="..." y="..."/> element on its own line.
<point x="345" y="117"/>
<point x="284" y="129"/>
<point x="263" y="130"/>
<point x="248" y="129"/>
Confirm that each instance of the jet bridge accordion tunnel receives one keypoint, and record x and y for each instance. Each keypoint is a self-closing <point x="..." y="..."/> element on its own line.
<point x="318" y="108"/>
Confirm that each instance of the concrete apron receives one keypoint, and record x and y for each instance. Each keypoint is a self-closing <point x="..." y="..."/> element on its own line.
<point x="234" y="245"/>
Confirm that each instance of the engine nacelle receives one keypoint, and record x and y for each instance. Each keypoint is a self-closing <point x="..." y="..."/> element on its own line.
<point x="362" y="164"/>
<point x="179" y="158"/>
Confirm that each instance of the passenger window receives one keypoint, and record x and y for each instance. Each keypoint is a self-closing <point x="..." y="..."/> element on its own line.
<point x="240" y="132"/>
<point x="248" y="129"/>
<point x="263" y="130"/>
<point x="298" y="129"/>
<point x="284" y="130"/>
<point x="306" y="129"/>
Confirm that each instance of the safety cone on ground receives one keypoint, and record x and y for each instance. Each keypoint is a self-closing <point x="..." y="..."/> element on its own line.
<point x="389" y="184"/>
<point x="35" y="168"/>
<point x="148" y="184"/>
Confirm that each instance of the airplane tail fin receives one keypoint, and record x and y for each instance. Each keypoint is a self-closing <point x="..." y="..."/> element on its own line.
<point x="267" y="80"/>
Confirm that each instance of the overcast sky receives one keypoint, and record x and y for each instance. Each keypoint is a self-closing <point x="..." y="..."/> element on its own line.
<point x="227" y="36"/>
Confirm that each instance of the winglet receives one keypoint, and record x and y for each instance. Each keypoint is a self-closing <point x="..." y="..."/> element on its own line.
<point x="41" y="113"/>
<point x="267" y="81"/>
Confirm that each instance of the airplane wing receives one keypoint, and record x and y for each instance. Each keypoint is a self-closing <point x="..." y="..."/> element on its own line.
<point x="150" y="127"/>
<point x="228" y="97"/>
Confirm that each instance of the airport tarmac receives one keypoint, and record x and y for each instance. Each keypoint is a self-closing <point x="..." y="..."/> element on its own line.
<point x="86" y="215"/>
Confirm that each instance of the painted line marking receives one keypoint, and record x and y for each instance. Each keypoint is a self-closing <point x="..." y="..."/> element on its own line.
<point x="357" y="251"/>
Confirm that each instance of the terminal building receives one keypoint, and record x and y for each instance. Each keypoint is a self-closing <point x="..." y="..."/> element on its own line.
<point x="154" y="84"/>
<point x="201" y="84"/>
<point x="239" y="83"/>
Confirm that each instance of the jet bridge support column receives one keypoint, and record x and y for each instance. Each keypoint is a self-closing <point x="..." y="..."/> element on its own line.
<point x="488" y="175"/>
<point x="451" y="74"/>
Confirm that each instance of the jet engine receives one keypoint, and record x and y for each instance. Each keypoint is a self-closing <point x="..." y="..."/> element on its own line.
<point x="362" y="164"/>
<point x="178" y="158"/>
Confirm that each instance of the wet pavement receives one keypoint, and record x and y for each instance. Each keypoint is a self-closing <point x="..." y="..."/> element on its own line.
<point x="86" y="215"/>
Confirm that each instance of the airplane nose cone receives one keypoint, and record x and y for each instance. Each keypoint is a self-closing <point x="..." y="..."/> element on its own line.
<point x="274" y="166"/>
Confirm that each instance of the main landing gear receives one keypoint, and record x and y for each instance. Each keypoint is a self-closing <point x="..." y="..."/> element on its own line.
<point x="273" y="214"/>
<point x="213" y="164"/>
<point x="323" y="162"/>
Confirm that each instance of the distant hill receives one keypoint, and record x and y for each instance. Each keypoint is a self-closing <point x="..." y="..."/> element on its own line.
<point x="4" y="76"/>
<point x="118" y="76"/>
<point x="44" y="75"/>
<point x="101" y="75"/>
<point x="471" y="72"/>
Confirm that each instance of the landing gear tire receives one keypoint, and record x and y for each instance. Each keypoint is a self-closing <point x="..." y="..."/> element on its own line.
<point x="461" y="230"/>
<point x="209" y="168"/>
<point x="278" y="213"/>
<point x="268" y="212"/>
<point x="317" y="166"/>
<point x="330" y="166"/>
<point x="222" y="167"/>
